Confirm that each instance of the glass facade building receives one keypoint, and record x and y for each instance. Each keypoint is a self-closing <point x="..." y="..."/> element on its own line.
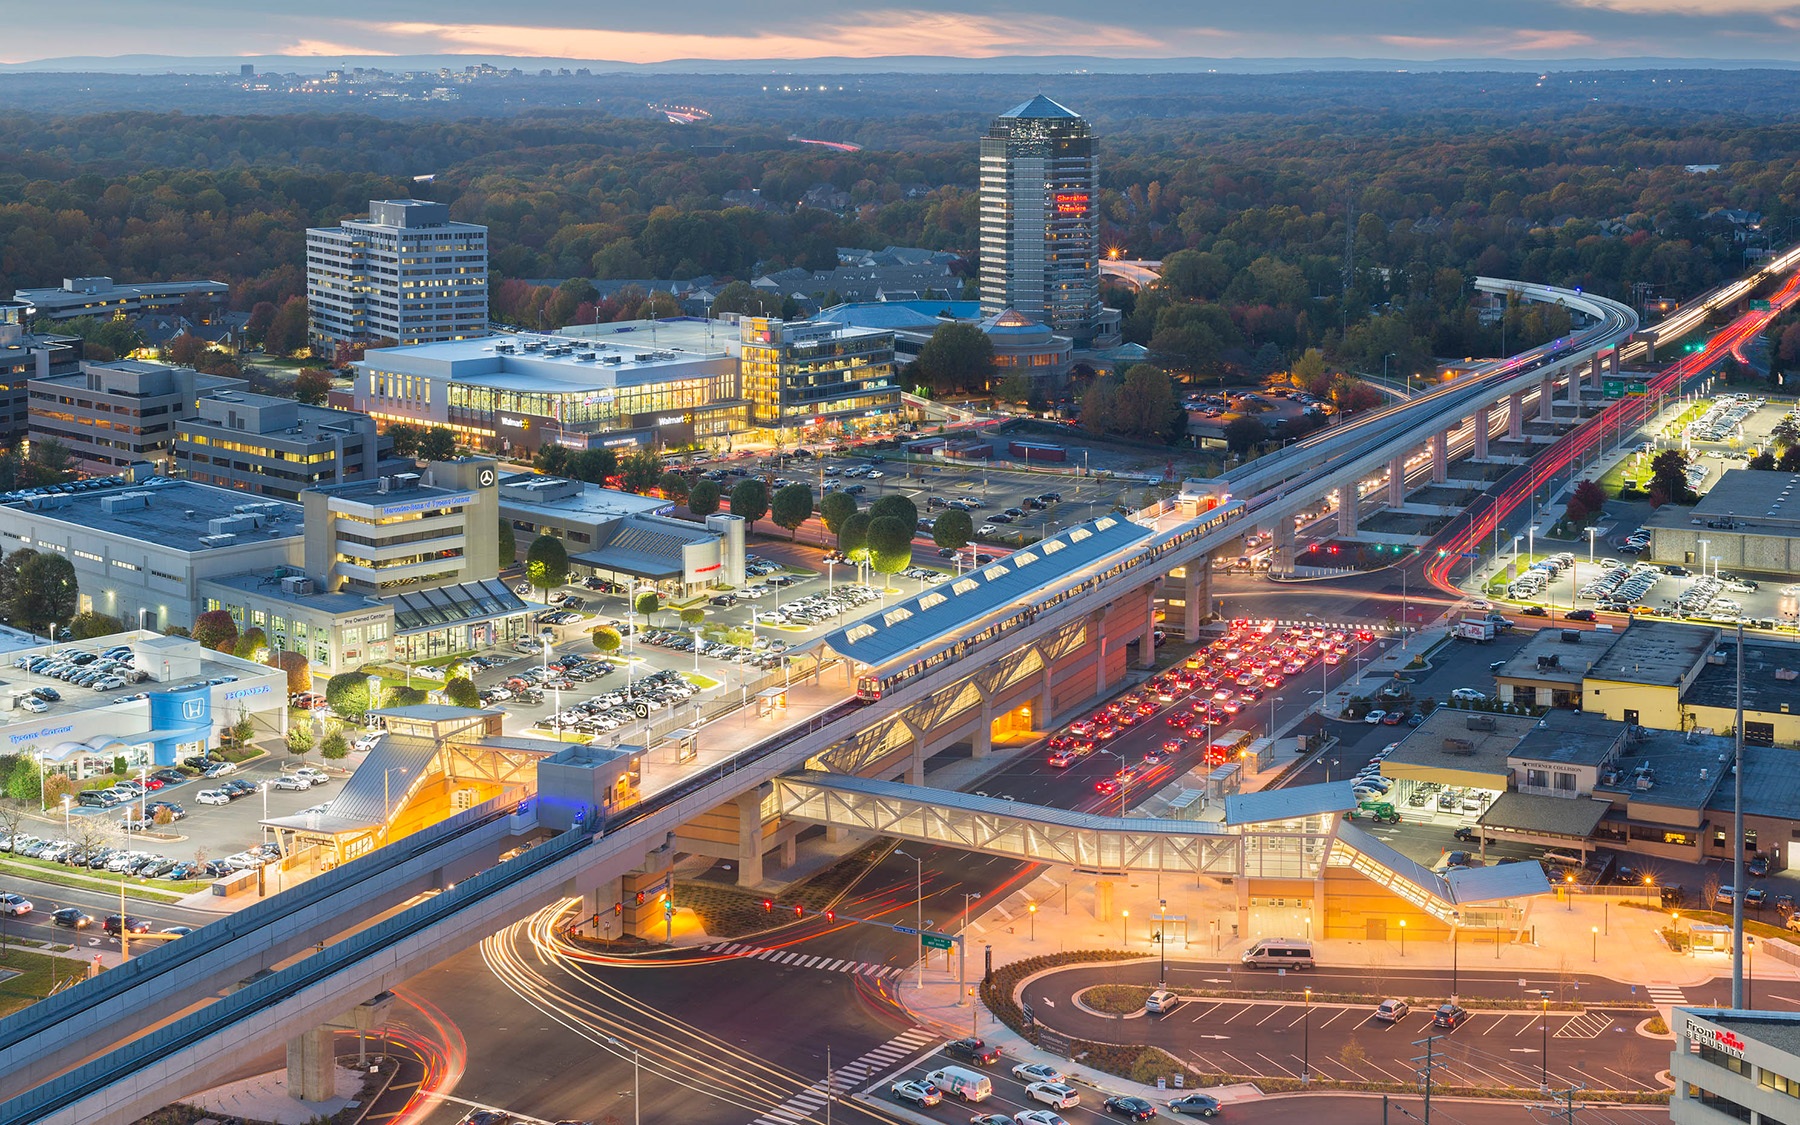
<point x="817" y="376"/>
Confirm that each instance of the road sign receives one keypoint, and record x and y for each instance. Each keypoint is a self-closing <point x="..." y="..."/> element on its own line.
<point x="1637" y="387"/>
<point x="905" y="930"/>
<point x="1614" y="388"/>
<point x="936" y="941"/>
<point x="1759" y="305"/>
<point x="1030" y="1016"/>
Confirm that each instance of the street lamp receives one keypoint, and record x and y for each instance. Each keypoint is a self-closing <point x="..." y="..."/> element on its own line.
<point x="1306" y="1044"/>
<point x="1162" y="943"/>
<point x="1595" y="931"/>
<point x="1591" y="531"/>
<point x="547" y="638"/>
<point x="1032" y="909"/>
<point x="1455" y="943"/>
<point x="65" y="801"/>
<point x="1125" y="928"/>
<point x="636" y="1058"/>
<point x="1402" y="937"/>
<point x="1544" y="1050"/>
<point x="962" y="985"/>
<point x="921" y="898"/>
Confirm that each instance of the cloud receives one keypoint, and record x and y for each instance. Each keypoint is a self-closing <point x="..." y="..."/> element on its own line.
<point x="310" y="47"/>
<point x="1700" y="9"/>
<point x="872" y="34"/>
<point x="1494" y="41"/>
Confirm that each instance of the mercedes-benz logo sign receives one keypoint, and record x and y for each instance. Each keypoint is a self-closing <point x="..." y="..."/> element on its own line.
<point x="487" y="477"/>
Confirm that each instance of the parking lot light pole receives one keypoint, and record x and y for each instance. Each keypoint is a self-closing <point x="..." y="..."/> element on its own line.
<point x="1162" y="944"/>
<point x="1125" y="929"/>
<point x="920" y="872"/>
<point x="1032" y="909"/>
<point x="1306" y="1044"/>
<point x="1544" y="1051"/>
<point x="1455" y="943"/>
<point x="637" y="1116"/>
<point x="1402" y="937"/>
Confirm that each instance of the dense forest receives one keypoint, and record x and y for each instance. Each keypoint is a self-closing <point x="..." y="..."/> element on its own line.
<point x="1348" y="221"/>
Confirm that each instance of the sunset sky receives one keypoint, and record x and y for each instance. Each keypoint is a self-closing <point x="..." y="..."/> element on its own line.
<point x="712" y="29"/>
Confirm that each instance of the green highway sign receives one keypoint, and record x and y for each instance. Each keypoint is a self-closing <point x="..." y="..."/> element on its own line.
<point x="1614" y="388"/>
<point x="1759" y="306"/>
<point x="1637" y="387"/>
<point x="936" y="941"/>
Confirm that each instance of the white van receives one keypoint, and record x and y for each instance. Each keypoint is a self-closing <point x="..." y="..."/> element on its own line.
<point x="1161" y="1002"/>
<point x="964" y="1083"/>
<point x="1279" y="953"/>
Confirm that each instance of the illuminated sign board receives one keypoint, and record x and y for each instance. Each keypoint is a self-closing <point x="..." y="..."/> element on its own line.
<point x="457" y="500"/>
<point x="1718" y="1038"/>
<point x="1071" y="203"/>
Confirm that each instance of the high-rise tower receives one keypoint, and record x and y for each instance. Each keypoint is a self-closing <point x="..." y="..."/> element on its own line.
<point x="1040" y="235"/>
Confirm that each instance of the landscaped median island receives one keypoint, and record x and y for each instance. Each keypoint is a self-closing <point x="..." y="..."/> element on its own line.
<point x="26" y="977"/>
<point x="1142" y="1062"/>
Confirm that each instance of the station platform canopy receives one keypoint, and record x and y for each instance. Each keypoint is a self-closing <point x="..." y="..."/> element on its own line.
<point x="946" y="612"/>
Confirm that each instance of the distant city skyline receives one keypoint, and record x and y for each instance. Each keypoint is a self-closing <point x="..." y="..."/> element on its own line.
<point x="710" y="29"/>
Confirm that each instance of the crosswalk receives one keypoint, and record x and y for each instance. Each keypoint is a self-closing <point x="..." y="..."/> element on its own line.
<point x="799" y="960"/>
<point x="811" y="1100"/>
<point x="1666" y="994"/>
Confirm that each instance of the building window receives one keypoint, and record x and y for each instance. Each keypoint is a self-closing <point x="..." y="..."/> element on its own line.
<point x="1536" y="779"/>
<point x="1715" y="1101"/>
<point x="1719" y="1058"/>
<point x="1631" y="716"/>
<point x="1780" y="1083"/>
<point x="1681" y="839"/>
<point x="1565" y="782"/>
<point x="1759" y="734"/>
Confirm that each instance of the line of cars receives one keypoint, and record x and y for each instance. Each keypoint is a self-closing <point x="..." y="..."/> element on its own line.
<point x="611" y="710"/>
<point x="820" y="607"/>
<point x="1044" y="1084"/>
<point x="131" y="861"/>
<point x="107" y="670"/>
<point x="74" y="918"/>
<point x="767" y="660"/>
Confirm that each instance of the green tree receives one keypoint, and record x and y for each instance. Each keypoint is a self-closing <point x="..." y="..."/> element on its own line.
<point x="300" y="740"/>
<point x="462" y="692"/>
<point x="791" y="506"/>
<point x="509" y="544"/>
<point x="287" y="333"/>
<point x="348" y="694"/>
<point x="890" y="545"/>
<point x="547" y="563"/>
<point x="86" y="626"/>
<point x="750" y="499"/>
<point x="742" y="297"/>
<point x="1244" y="433"/>
<point x="607" y="639"/>
<point x="1668" y="479"/>
<point x="312" y="385"/>
<point x="647" y="603"/>
<point x="437" y="444"/>
<point x="895" y="506"/>
<point x="244" y="729"/>
<point x="405" y="437"/>
<point x="953" y="529"/>
<point x="703" y="498"/>
<point x="673" y="485"/>
<point x="44" y="593"/>
<point x="835" y="508"/>
<point x="958" y="358"/>
<point x="1016" y="387"/>
<point x="640" y="470"/>
<point x="335" y="747"/>
<point x="216" y="630"/>
<point x="692" y="616"/>
<point x="250" y="643"/>
<point x="853" y="537"/>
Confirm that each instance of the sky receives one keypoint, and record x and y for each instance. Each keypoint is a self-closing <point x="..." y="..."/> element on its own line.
<point x="775" y="29"/>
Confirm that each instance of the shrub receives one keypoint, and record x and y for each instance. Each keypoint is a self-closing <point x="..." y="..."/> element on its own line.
<point x="461" y="692"/>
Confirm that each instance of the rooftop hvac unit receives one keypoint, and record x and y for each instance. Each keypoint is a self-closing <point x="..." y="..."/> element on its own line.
<point x="406" y="480"/>
<point x="296" y="584"/>
<point x="1481" y="722"/>
<point x="217" y="540"/>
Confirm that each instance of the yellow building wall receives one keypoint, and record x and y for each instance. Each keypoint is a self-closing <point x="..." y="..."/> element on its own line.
<point x="1657" y="707"/>
<point x="1361" y="911"/>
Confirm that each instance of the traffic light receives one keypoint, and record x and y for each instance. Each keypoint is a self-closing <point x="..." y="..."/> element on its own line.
<point x="768" y="905"/>
<point x="799" y="911"/>
<point x="640" y="898"/>
<point x="831" y="915"/>
<point x="618" y="909"/>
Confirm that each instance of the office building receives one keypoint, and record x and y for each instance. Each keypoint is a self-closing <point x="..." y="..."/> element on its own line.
<point x="1734" y="1065"/>
<point x="651" y="384"/>
<point x="1739" y="525"/>
<point x="407" y="531"/>
<point x="817" y="378"/>
<point x="112" y="415"/>
<point x="102" y="298"/>
<point x="24" y="356"/>
<point x="624" y="537"/>
<point x="140" y="550"/>
<point x="1020" y="344"/>
<point x="272" y="446"/>
<point x="407" y="273"/>
<point x="1040" y="227"/>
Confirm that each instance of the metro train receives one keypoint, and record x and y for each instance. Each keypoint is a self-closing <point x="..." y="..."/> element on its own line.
<point x="974" y="632"/>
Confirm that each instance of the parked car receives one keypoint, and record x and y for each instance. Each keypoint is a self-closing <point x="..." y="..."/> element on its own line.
<point x="1392" y="1011"/>
<point x="1200" y="1105"/>
<point x="1449" y="1015"/>
<point x="213" y="797"/>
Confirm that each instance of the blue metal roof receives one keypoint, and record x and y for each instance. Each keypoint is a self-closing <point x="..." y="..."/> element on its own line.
<point x="1289" y="804"/>
<point x="917" y="625"/>
<point x="1040" y="107"/>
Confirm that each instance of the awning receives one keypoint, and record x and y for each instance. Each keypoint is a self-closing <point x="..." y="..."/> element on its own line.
<point x="418" y="611"/>
<point x="1527" y="814"/>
